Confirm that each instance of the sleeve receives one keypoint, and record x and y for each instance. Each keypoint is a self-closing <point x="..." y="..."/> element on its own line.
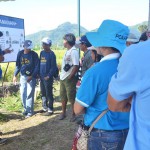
<point x="75" y="57"/>
<point x="87" y="91"/>
<point x="126" y="81"/>
<point x="18" y="63"/>
<point x="36" y="66"/>
<point x="53" y="66"/>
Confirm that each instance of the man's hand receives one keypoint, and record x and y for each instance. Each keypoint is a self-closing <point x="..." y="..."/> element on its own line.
<point x="15" y="80"/>
<point x="29" y="78"/>
<point x="1" y="58"/>
<point x="46" y="78"/>
<point x="7" y="51"/>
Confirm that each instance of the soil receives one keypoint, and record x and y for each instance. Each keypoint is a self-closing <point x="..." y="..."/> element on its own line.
<point x="38" y="132"/>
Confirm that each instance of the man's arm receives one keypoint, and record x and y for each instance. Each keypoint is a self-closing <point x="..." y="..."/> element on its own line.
<point x="78" y="109"/>
<point x="74" y="71"/>
<point x="118" y="106"/>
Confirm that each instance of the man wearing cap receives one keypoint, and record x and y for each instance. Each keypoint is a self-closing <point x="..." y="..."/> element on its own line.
<point x="47" y="70"/>
<point x="27" y="64"/>
<point x="68" y="80"/>
<point x="111" y="130"/>
<point x="2" y="53"/>
<point x="133" y="37"/>
<point x="87" y="61"/>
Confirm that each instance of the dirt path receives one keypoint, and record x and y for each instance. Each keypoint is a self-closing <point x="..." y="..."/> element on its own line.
<point x="38" y="132"/>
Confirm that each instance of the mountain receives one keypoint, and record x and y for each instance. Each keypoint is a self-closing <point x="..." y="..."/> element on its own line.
<point x="57" y="34"/>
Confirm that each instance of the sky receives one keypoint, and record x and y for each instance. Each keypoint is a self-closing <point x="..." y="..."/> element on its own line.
<point x="49" y="14"/>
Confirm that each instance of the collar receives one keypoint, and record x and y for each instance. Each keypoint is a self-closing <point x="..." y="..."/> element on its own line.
<point x="86" y="52"/>
<point x="111" y="56"/>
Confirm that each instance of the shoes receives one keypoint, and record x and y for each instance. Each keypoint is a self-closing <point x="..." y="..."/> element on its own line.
<point x="49" y="112"/>
<point x="62" y="116"/>
<point x="73" y="118"/>
<point x="3" y="141"/>
<point x="24" y="113"/>
<point x="43" y="110"/>
<point x="28" y="116"/>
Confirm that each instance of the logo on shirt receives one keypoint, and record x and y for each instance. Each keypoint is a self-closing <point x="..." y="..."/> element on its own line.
<point x="25" y="61"/>
<point x="43" y="60"/>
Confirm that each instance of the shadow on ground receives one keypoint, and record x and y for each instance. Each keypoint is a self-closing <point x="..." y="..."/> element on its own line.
<point x="39" y="132"/>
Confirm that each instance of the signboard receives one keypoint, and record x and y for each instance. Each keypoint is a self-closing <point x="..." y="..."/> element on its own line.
<point x="13" y="36"/>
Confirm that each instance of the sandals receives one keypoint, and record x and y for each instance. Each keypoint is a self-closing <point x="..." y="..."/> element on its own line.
<point x="62" y="116"/>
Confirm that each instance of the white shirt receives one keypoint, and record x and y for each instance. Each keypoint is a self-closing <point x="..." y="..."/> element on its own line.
<point x="71" y="57"/>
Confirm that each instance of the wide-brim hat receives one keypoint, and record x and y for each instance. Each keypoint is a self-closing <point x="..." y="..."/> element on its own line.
<point x="111" y="33"/>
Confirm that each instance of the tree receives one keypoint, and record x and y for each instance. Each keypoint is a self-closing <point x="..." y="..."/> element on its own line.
<point x="142" y="28"/>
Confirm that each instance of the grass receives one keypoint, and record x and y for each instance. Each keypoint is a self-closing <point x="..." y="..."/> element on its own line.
<point x="38" y="132"/>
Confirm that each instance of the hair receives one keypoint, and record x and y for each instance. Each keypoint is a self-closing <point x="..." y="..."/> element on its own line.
<point x="97" y="56"/>
<point x="70" y="38"/>
<point x="115" y="49"/>
<point x="143" y="37"/>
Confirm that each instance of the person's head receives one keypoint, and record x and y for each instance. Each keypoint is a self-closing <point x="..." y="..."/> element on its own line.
<point x="143" y="37"/>
<point x="83" y="43"/>
<point x="133" y="37"/>
<point x="46" y="43"/>
<point x="110" y="37"/>
<point x="28" y="45"/>
<point x="69" y="40"/>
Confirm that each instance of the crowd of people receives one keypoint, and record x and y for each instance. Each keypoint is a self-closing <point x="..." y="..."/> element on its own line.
<point x="114" y="75"/>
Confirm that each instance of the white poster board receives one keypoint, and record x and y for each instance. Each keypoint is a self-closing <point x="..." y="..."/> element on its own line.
<point x="13" y="36"/>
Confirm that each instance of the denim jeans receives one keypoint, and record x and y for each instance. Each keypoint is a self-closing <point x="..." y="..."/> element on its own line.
<point x="107" y="140"/>
<point x="27" y="90"/>
<point x="47" y="93"/>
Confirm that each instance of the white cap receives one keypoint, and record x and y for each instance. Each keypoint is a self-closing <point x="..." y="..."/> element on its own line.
<point x="46" y="40"/>
<point x="134" y="36"/>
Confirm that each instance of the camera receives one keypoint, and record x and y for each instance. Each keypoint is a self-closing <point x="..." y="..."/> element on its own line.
<point x="67" y="67"/>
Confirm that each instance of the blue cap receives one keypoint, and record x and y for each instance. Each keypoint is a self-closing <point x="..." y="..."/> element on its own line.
<point x="84" y="40"/>
<point x="28" y="44"/>
<point x="111" y="33"/>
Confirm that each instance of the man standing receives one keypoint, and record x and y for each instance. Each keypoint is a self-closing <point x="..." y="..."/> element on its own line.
<point x="47" y="71"/>
<point x="132" y="82"/>
<point x="68" y="79"/>
<point x="87" y="61"/>
<point x="27" y="64"/>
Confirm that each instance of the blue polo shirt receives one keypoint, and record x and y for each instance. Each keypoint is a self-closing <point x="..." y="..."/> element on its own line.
<point x="92" y="94"/>
<point x="133" y="79"/>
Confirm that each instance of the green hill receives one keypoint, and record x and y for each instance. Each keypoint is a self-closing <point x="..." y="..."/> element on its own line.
<point x="57" y="34"/>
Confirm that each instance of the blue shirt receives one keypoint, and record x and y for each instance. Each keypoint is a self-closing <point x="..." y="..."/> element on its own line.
<point x="27" y="63"/>
<point x="92" y="94"/>
<point x="47" y="64"/>
<point x="133" y="78"/>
